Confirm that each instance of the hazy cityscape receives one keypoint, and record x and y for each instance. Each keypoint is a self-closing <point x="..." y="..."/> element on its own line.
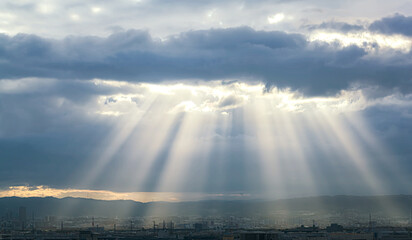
<point x="343" y="219"/>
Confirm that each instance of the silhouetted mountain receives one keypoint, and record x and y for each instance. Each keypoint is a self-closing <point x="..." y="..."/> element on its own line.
<point x="387" y="205"/>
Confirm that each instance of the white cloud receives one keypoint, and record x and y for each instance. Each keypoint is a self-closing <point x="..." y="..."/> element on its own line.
<point x="156" y="15"/>
<point x="119" y="97"/>
<point x="366" y="40"/>
<point x="279" y="17"/>
<point x="75" y="17"/>
<point x="96" y="10"/>
<point x="45" y="8"/>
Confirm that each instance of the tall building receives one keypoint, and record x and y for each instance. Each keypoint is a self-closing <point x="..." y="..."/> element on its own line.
<point x="22" y="217"/>
<point x="22" y="214"/>
<point x="410" y="216"/>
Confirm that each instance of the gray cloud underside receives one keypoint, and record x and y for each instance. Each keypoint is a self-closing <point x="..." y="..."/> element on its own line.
<point x="337" y="26"/>
<point x="277" y="58"/>
<point x="397" y="24"/>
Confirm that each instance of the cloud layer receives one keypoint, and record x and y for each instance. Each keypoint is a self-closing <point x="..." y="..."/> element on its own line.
<point x="397" y="24"/>
<point x="277" y="58"/>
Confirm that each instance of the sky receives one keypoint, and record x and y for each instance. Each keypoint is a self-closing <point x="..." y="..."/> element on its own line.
<point x="189" y="100"/>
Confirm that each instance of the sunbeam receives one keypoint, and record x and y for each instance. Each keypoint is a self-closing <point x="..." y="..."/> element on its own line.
<point x="237" y="138"/>
<point x="116" y="139"/>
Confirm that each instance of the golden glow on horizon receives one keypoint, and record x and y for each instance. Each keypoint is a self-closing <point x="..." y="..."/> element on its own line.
<point x="44" y="191"/>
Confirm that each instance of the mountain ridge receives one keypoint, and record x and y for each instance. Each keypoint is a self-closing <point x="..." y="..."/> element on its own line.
<point x="74" y="207"/>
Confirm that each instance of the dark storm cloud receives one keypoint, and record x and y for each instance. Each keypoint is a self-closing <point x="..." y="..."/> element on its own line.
<point x="397" y="24"/>
<point x="279" y="58"/>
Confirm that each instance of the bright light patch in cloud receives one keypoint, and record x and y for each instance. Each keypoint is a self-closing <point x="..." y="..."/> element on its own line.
<point x="211" y="13"/>
<point x="215" y="96"/>
<point x="74" y="17"/>
<point x="96" y="9"/>
<point x="365" y="40"/>
<point x="219" y="97"/>
<point x="279" y="17"/>
<point x="45" y="8"/>
<point x="109" y="113"/>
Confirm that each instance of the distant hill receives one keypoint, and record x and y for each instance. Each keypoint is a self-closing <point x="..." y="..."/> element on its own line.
<point x="399" y="205"/>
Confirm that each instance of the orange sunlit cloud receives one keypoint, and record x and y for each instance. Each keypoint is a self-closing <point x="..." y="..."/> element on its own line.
<point x="44" y="191"/>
